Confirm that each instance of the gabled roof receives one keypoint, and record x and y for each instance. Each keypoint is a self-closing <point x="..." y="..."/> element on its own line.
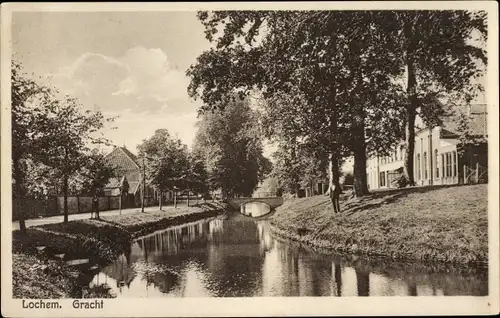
<point x="478" y="124"/>
<point x="127" y="165"/>
<point x="123" y="159"/>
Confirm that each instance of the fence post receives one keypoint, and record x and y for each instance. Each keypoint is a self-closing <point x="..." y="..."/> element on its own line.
<point x="465" y="174"/>
<point x="477" y="170"/>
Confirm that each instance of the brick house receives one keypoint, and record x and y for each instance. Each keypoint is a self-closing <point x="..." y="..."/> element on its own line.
<point x="436" y="160"/>
<point x="129" y="171"/>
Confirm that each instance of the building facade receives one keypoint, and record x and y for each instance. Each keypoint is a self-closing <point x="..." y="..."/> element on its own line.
<point x="129" y="171"/>
<point x="436" y="160"/>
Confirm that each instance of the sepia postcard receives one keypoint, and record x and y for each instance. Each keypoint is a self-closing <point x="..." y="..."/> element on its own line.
<point x="249" y="159"/>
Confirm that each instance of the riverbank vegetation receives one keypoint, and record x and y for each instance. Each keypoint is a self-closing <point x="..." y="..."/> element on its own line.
<point x="428" y="224"/>
<point x="34" y="278"/>
<point x="39" y="270"/>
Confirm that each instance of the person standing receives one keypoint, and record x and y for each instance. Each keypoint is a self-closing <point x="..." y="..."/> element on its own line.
<point x="95" y="204"/>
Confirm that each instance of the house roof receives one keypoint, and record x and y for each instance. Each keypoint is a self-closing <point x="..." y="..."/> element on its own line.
<point x="126" y="164"/>
<point x="478" y="124"/>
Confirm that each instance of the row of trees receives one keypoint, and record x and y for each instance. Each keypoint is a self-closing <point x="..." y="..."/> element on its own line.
<point x="341" y="83"/>
<point x="52" y="140"/>
<point x="229" y="143"/>
<point x="171" y="166"/>
<point x="226" y="155"/>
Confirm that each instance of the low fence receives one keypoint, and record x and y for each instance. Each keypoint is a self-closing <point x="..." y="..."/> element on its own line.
<point x="35" y="208"/>
<point x="84" y="204"/>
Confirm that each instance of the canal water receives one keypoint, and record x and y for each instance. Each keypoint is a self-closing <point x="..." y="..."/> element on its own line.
<point x="238" y="257"/>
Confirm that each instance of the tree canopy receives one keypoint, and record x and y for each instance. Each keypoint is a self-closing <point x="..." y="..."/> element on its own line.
<point x="334" y="77"/>
<point x="52" y="139"/>
<point x="230" y="143"/>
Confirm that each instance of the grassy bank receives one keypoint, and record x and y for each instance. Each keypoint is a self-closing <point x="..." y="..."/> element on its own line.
<point x="101" y="241"/>
<point x="448" y="225"/>
<point x="139" y="224"/>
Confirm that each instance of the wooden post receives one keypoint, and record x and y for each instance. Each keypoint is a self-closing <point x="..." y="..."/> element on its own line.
<point x="477" y="170"/>
<point x="143" y="183"/>
<point x="465" y="173"/>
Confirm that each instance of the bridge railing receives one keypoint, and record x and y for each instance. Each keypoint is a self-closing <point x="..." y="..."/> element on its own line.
<point x="264" y="194"/>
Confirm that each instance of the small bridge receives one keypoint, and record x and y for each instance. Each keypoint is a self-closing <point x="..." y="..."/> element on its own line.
<point x="273" y="202"/>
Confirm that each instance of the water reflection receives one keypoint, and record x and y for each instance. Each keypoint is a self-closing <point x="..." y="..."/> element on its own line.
<point x="255" y="209"/>
<point x="238" y="257"/>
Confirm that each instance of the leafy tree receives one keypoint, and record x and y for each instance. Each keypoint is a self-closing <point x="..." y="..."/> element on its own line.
<point x="167" y="166"/>
<point x="436" y="56"/>
<point x="66" y="133"/>
<point x="230" y="142"/>
<point x="26" y="97"/>
<point x="198" y="175"/>
<point x="318" y="71"/>
<point x="41" y="180"/>
<point x="50" y="139"/>
<point x="94" y="174"/>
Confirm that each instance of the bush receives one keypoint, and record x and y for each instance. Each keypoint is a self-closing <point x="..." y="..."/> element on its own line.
<point x="401" y="181"/>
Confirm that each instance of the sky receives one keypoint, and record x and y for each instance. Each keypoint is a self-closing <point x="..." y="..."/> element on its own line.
<point x="126" y="64"/>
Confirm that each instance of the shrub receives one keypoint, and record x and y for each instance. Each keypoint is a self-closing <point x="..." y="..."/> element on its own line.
<point x="401" y="181"/>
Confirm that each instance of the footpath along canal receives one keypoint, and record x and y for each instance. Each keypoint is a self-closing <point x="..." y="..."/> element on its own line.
<point x="237" y="256"/>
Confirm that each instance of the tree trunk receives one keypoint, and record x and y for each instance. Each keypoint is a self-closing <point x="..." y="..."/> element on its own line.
<point x="188" y="198"/>
<point x="175" y="199"/>
<point x="65" y="197"/>
<point x="19" y="194"/>
<point x="411" y="110"/>
<point x="359" y="147"/>
<point x="411" y="113"/>
<point x="360" y="179"/>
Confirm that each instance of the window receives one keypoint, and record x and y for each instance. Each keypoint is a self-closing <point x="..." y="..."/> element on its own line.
<point x="448" y="164"/>
<point x="442" y="166"/>
<point x="419" y="170"/>
<point x="436" y="156"/>
<point x="382" y="179"/>
<point x="455" y="159"/>
<point x="425" y="165"/>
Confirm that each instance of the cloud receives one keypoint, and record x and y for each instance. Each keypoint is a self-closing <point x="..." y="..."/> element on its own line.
<point x="132" y="128"/>
<point x="141" y="80"/>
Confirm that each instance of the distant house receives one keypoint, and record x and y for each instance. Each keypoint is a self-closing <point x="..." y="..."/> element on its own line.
<point x="129" y="172"/>
<point x="436" y="160"/>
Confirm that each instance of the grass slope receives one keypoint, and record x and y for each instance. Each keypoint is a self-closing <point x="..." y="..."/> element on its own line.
<point x="433" y="224"/>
